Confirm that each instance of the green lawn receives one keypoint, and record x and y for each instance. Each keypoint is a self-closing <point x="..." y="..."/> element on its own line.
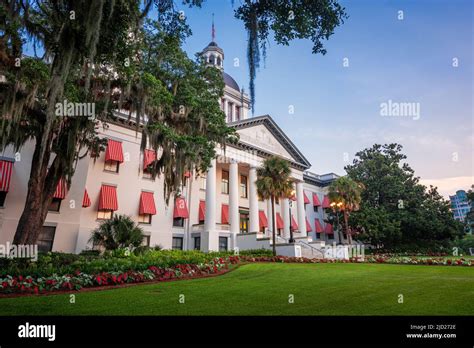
<point x="264" y="289"/>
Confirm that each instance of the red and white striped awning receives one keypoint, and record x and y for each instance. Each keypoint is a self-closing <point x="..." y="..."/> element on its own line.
<point x="308" y="226"/>
<point x="114" y="151"/>
<point x="86" y="201"/>
<point x="147" y="204"/>
<point x="6" y="168"/>
<point x="262" y="219"/>
<point x="316" y="201"/>
<point x="225" y="214"/>
<point x="306" y="199"/>
<point x="202" y="210"/>
<point x="180" y="208"/>
<point x="108" y="198"/>
<point x="328" y="229"/>
<point x="149" y="156"/>
<point x="294" y="225"/>
<point x="279" y="221"/>
<point x="60" y="192"/>
<point x="318" y="226"/>
<point x="326" y="203"/>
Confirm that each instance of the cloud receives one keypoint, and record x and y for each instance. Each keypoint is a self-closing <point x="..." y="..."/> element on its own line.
<point x="449" y="186"/>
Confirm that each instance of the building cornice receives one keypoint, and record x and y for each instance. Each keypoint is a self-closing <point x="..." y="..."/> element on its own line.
<point x="300" y="161"/>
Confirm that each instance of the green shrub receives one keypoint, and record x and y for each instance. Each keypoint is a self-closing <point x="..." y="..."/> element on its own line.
<point x="119" y="232"/>
<point x="114" y="261"/>
<point x="464" y="244"/>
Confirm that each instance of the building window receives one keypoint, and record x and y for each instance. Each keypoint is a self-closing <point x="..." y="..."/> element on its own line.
<point x="237" y="113"/>
<point x="318" y="235"/>
<point x="262" y="229"/>
<point x="223" y="243"/>
<point x="197" y="243"/>
<point x="3" y="196"/>
<point x="230" y="111"/>
<point x="244" y="221"/>
<point x="279" y="231"/>
<point x="46" y="238"/>
<point x="105" y="214"/>
<point x="112" y="166"/>
<point x="225" y="182"/>
<point x="203" y="183"/>
<point x="178" y="222"/>
<point x="144" y="219"/>
<point x="177" y="243"/>
<point x="55" y="204"/>
<point x="330" y="236"/>
<point x="315" y="208"/>
<point x="243" y="186"/>
<point x="146" y="241"/>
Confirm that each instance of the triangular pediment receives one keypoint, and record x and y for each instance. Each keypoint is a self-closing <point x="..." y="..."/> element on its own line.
<point x="263" y="134"/>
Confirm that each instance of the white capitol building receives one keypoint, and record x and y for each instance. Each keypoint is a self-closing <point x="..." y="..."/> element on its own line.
<point x="218" y="211"/>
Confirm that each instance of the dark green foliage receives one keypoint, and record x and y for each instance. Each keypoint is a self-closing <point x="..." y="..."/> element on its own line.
<point x="118" y="232"/>
<point x="273" y="180"/>
<point x="396" y="209"/>
<point x="88" y="262"/>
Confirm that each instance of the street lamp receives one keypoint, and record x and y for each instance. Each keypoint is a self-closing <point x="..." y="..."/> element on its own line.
<point x="334" y="207"/>
<point x="290" y="201"/>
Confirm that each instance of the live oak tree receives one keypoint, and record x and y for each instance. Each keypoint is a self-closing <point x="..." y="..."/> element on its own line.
<point x="396" y="210"/>
<point x="92" y="49"/>
<point x="95" y="52"/>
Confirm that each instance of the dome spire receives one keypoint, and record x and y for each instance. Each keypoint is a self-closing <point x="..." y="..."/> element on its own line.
<point x="213" y="34"/>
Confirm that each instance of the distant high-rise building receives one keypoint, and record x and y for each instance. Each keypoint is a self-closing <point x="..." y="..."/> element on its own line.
<point x="460" y="205"/>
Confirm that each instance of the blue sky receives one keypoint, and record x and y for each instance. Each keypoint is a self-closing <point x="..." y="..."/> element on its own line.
<point x="337" y="108"/>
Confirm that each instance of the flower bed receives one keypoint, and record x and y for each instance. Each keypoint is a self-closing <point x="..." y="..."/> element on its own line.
<point x="411" y="260"/>
<point x="78" y="280"/>
<point x="20" y="284"/>
<point x="367" y="259"/>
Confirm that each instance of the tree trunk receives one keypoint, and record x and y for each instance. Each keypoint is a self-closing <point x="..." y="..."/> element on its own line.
<point x="273" y="225"/>
<point x="346" y="226"/>
<point x="41" y="187"/>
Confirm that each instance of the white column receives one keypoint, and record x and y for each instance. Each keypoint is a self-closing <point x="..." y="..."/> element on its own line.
<point x="209" y="238"/>
<point x="285" y="206"/>
<point x="270" y="217"/>
<point x="234" y="218"/>
<point x="301" y="209"/>
<point x="253" y="201"/>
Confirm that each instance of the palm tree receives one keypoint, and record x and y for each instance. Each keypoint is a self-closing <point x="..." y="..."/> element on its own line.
<point x="347" y="193"/>
<point x="273" y="180"/>
<point x="118" y="232"/>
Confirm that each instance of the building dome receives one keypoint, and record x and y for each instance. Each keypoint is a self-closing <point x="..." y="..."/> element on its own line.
<point x="229" y="81"/>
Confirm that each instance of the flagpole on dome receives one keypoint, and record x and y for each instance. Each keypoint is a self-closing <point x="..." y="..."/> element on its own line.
<point x="213" y="33"/>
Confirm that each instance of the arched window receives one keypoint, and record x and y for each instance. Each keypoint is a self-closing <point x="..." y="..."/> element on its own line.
<point x="218" y="61"/>
<point x="212" y="59"/>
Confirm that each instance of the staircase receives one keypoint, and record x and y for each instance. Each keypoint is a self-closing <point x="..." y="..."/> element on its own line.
<point x="309" y="251"/>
